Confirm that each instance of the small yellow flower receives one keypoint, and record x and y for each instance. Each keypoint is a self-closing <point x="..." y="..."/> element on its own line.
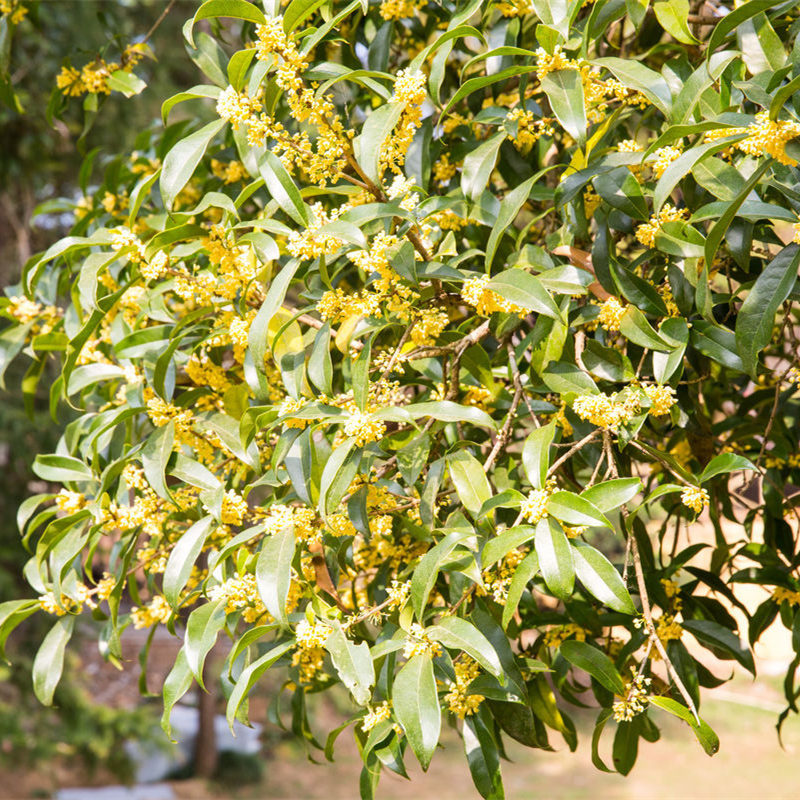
<point x="695" y="498"/>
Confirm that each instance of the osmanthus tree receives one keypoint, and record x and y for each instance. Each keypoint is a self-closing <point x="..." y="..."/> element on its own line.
<point x="409" y="362"/>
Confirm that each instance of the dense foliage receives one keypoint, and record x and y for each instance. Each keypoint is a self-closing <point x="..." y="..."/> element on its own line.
<point x="409" y="361"/>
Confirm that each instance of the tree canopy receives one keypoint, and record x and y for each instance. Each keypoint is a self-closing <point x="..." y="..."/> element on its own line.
<point x="408" y="358"/>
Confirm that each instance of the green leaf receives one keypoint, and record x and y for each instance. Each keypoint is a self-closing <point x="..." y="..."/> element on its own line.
<point x="717" y="233"/>
<point x="564" y="378"/>
<point x="416" y="706"/>
<point x="183" y="557"/>
<point x="612" y="494"/>
<point x="201" y="90"/>
<point x="353" y="662"/>
<point x="238" y="9"/>
<point x="757" y="314"/>
<point x="61" y="469"/>
<point x="536" y="454"/>
<point x="340" y="469"/>
<point x="724" y="462"/>
<point x="470" y="480"/>
<point x="374" y="134"/>
<point x="525" y="290"/>
<point x="274" y="571"/>
<point x="448" y="411"/>
<point x="564" y="90"/>
<point x="575" y="509"/>
<point x="182" y="160"/>
<point x="176" y="684"/>
<point x="483" y="757"/>
<point x="126" y="83"/>
<point x="523" y="574"/>
<point x="601" y="578"/>
<point x="620" y="189"/>
<point x="155" y="455"/>
<point x="595" y="662"/>
<point x="472" y="85"/>
<point x="673" y="18"/>
<point x="12" y="613"/>
<point x="320" y="367"/>
<point x="635" y="327"/>
<point x="720" y="638"/>
<point x="297" y="11"/>
<point x="250" y="675"/>
<point x="282" y="188"/>
<point x="705" y="735"/>
<point x="428" y="568"/>
<point x="641" y="78"/>
<point x="202" y="629"/>
<point x="555" y="558"/>
<point x="458" y="634"/>
<point x="478" y="166"/>
<point x="731" y="21"/>
<point x="49" y="660"/>
<point x="510" y="206"/>
<point x="238" y="66"/>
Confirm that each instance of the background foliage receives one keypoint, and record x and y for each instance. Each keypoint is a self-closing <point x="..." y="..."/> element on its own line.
<point x="408" y="359"/>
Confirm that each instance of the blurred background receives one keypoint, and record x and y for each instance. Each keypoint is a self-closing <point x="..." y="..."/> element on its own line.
<point x="102" y="738"/>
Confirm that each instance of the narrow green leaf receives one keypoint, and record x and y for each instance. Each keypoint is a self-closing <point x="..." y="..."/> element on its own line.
<point x="536" y="454"/>
<point x="470" y="480"/>
<point x="612" y="494"/>
<point x="757" y="314"/>
<point x="182" y="160"/>
<point x="478" y="166"/>
<point x="705" y="735"/>
<point x="282" y="188"/>
<point x="274" y="572"/>
<point x="428" y="568"/>
<point x="595" y="662"/>
<point x="601" y="578"/>
<point x="510" y="206"/>
<point x="49" y="660"/>
<point x="202" y="629"/>
<point x="527" y="568"/>
<point x="353" y="662"/>
<point x="155" y="455"/>
<point x="555" y="558"/>
<point x="574" y="509"/>
<point x="724" y="462"/>
<point x="564" y="90"/>
<point x="525" y="290"/>
<point x="176" y="684"/>
<point x="416" y="706"/>
<point x="250" y="676"/>
<point x="458" y="634"/>
<point x="183" y="557"/>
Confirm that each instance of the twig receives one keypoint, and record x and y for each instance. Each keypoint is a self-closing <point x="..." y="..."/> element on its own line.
<point x="647" y="613"/>
<point x="502" y="437"/>
<point x="158" y="22"/>
<point x="574" y="449"/>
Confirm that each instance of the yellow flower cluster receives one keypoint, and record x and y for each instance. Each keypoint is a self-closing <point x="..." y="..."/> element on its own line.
<point x="364" y="428"/>
<point x="400" y="9"/>
<point x="604" y="411"/>
<point x="409" y="92"/>
<point x="661" y="398"/>
<point x="557" y="634"/>
<point x="498" y="578"/>
<point x="70" y="502"/>
<point x="458" y="700"/>
<point x="240" y="594"/>
<point x="234" y="508"/>
<point x="376" y="715"/>
<point x="486" y="301"/>
<point x="81" y="595"/>
<point x="13" y="10"/>
<point x="232" y="172"/>
<point x="93" y="77"/>
<point x="695" y="498"/>
<point x="420" y="643"/>
<point x="309" y="656"/>
<point x="610" y="315"/>
<point x="784" y="595"/>
<point x="155" y="612"/>
<point x="663" y="157"/>
<point x="534" y="506"/>
<point x="647" y="233"/>
<point x="515" y="8"/>
<point x="635" y="699"/>
<point x="764" y="137"/>
<point x="529" y="129"/>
